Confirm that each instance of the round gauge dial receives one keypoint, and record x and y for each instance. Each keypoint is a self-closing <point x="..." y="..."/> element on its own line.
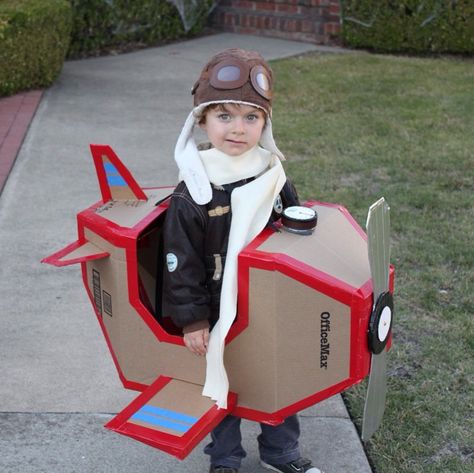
<point x="299" y="219"/>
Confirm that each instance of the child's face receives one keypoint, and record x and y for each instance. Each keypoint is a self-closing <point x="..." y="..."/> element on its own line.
<point x="234" y="129"/>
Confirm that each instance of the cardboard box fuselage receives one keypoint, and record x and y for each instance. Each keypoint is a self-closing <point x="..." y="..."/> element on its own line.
<point x="304" y="304"/>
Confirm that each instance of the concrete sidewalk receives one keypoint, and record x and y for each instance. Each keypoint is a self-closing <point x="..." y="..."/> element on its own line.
<point x="59" y="385"/>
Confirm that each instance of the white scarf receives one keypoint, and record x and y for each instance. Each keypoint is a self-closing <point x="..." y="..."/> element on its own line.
<point x="224" y="169"/>
<point x="252" y="205"/>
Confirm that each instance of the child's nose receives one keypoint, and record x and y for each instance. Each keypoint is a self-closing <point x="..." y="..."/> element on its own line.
<point x="239" y="126"/>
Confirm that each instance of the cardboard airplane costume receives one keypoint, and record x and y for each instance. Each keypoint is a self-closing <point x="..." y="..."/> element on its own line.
<point x="335" y="282"/>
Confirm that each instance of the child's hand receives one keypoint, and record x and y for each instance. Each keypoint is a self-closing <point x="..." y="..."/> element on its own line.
<point x="197" y="341"/>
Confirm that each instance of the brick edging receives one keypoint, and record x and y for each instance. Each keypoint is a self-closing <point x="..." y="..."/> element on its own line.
<point x="16" y="114"/>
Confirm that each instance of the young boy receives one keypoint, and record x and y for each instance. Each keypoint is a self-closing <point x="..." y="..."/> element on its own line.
<point x="226" y="196"/>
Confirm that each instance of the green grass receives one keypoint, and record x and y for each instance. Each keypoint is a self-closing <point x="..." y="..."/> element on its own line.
<point x="357" y="127"/>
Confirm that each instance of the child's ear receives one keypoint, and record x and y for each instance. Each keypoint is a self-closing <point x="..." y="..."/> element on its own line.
<point x="202" y="125"/>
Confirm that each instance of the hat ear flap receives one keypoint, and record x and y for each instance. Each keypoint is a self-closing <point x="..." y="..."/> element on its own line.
<point x="191" y="169"/>
<point x="268" y="142"/>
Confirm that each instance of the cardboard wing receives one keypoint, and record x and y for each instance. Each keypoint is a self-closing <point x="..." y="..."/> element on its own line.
<point x="77" y="252"/>
<point x="171" y="415"/>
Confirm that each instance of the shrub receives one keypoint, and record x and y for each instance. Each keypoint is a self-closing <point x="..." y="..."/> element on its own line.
<point x="439" y="26"/>
<point x="34" y="38"/>
<point x="105" y="24"/>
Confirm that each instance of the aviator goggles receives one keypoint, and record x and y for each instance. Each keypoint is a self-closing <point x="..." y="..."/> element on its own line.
<point x="233" y="74"/>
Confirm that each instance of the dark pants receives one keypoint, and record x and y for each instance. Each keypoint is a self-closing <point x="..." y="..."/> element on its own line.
<point x="276" y="445"/>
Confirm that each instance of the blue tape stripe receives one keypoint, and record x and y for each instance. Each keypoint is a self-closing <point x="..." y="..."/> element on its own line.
<point x="150" y="419"/>
<point x="177" y="416"/>
<point x="109" y="167"/>
<point x="116" y="180"/>
<point x="113" y="176"/>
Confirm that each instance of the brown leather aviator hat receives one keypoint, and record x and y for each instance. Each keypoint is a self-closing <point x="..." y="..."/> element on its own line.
<point x="235" y="75"/>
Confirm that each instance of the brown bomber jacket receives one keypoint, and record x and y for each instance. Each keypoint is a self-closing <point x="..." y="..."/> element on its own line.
<point x="195" y="244"/>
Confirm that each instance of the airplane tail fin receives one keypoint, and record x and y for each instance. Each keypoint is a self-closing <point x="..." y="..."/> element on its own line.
<point x="115" y="180"/>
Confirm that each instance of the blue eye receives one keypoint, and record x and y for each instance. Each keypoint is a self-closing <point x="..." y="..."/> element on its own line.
<point x="224" y="116"/>
<point x="252" y="117"/>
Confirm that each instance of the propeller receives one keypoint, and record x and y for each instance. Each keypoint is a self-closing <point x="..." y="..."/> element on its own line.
<point x="380" y="323"/>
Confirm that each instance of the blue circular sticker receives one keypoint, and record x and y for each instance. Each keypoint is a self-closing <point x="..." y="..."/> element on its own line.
<point x="278" y="205"/>
<point x="171" y="262"/>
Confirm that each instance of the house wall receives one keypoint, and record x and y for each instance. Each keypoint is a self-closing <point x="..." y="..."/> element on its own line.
<point x="314" y="21"/>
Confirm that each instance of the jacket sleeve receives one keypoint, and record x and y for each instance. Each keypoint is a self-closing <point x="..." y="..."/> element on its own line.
<point x="289" y="196"/>
<point x="186" y="298"/>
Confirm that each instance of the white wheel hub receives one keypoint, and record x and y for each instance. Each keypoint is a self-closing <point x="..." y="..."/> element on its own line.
<point x="384" y="323"/>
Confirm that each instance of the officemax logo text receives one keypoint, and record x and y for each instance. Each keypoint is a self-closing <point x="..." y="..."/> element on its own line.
<point x="325" y="345"/>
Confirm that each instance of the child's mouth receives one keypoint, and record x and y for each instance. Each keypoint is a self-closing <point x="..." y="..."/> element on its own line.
<point x="236" y="142"/>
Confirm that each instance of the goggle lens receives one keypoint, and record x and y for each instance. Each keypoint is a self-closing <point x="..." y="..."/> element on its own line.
<point x="228" y="74"/>
<point x="262" y="81"/>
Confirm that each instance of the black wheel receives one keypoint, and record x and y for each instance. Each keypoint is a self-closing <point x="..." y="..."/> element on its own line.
<point x="380" y="323"/>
